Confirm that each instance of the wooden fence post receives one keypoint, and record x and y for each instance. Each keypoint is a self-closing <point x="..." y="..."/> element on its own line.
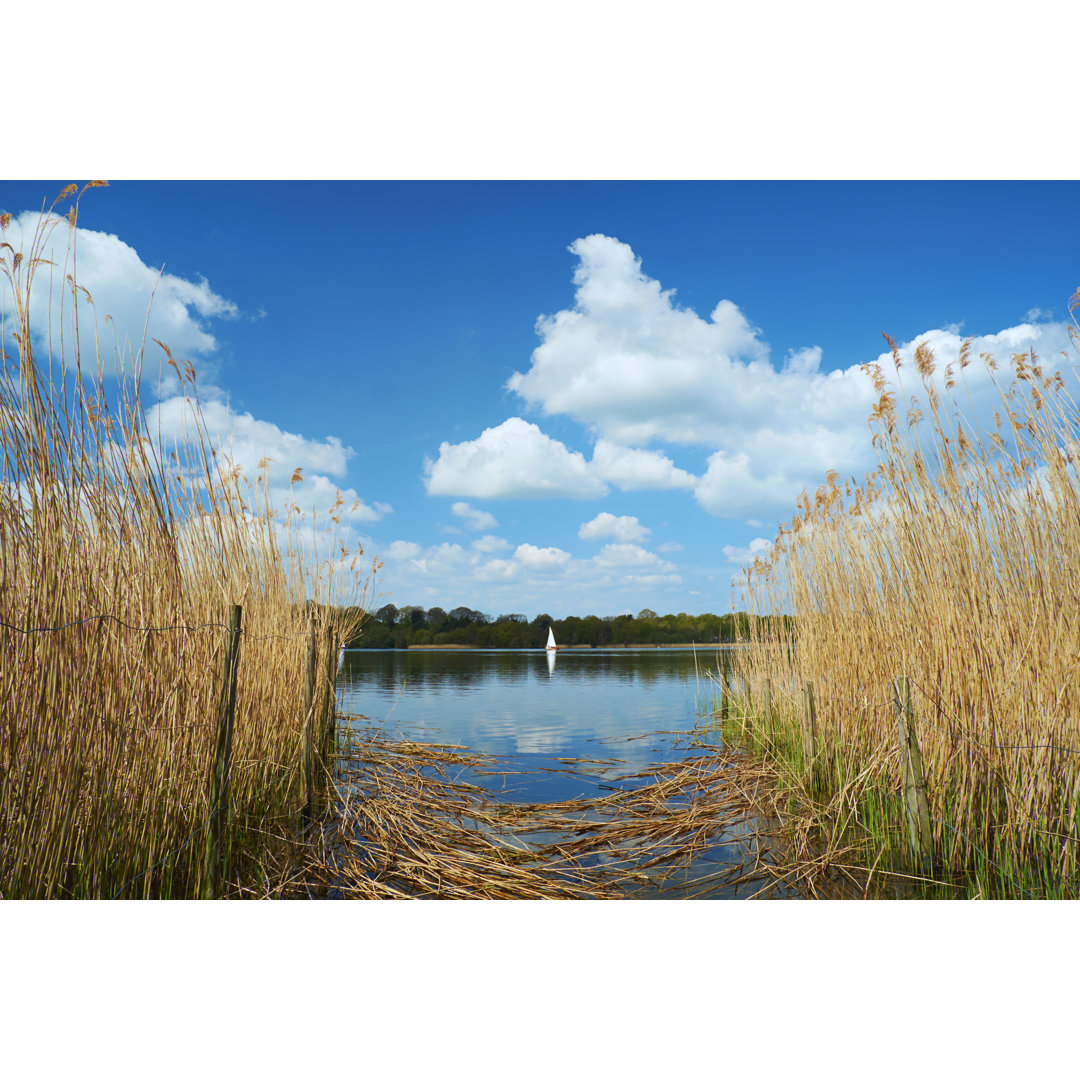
<point x="326" y="727"/>
<point x="767" y="709"/>
<point x="915" y="795"/>
<point x="747" y="708"/>
<point x="809" y="736"/>
<point x="309" y="722"/>
<point x="219" y="781"/>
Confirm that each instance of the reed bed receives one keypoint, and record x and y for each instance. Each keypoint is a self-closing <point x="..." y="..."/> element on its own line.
<point x="409" y="822"/>
<point x="951" y="565"/>
<point x="120" y="561"/>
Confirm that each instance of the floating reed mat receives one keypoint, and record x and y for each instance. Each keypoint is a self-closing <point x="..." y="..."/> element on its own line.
<point x="409" y="822"/>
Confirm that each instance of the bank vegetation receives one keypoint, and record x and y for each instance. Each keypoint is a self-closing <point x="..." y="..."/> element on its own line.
<point x="391" y="627"/>
<point x="938" y="592"/>
<point x="122" y="559"/>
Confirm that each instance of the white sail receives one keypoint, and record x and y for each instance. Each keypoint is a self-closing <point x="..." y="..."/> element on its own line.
<point x="551" y="639"/>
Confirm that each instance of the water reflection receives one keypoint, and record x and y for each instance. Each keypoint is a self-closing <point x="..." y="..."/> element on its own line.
<point x="530" y="703"/>
<point x="465" y="668"/>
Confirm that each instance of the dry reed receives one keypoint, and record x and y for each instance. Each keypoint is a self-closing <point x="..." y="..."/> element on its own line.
<point x="949" y="565"/>
<point x="408" y="826"/>
<point x="120" y="560"/>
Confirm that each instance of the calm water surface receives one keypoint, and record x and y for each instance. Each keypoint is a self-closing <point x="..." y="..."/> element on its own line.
<point x="533" y="708"/>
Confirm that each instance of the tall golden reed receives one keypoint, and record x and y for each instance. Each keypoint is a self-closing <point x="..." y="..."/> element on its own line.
<point x="108" y="727"/>
<point x="954" y="564"/>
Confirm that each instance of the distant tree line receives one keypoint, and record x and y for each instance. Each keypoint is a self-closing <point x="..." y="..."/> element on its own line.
<point x="398" y="628"/>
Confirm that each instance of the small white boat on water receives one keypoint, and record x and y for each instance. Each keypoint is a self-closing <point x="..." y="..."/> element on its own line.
<point x="551" y="640"/>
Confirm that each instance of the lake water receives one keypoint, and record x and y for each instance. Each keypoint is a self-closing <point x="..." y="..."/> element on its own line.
<point x="533" y="709"/>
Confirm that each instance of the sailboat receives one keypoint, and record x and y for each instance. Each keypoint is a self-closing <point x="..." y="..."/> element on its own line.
<point x="551" y="651"/>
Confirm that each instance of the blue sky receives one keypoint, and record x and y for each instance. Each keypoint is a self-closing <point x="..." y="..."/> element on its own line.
<point x="564" y="397"/>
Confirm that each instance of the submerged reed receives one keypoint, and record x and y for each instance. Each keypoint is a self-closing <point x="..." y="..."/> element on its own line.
<point x="120" y="561"/>
<point x="951" y="565"/>
<point x="408" y="824"/>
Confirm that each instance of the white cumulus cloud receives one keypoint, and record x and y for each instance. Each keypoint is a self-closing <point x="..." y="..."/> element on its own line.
<point x="629" y="555"/>
<point x="497" y="570"/>
<point x="759" y="548"/>
<point x="536" y="558"/>
<point x="242" y="440"/>
<point x="474" y="519"/>
<point x="634" y="367"/>
<point x="630" y="363"/>
<point x="122" y="301"/>
<point x="494" y="576"/>
<point x="401" y="549"/>
<point x="730" y="487"/>
<point x="637" y="470"/>
<point x="604" y="524"/>
<point x="248" y="440"/>
<point x="121" y="286"/>
<point x="489" y="544"/>
<point x="514" y="460"/>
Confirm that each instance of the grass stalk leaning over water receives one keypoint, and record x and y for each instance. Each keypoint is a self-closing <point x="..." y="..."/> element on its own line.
<point x="108" y="728"/>
<point x="953" y="564"/>
<point x="407" y="825"/>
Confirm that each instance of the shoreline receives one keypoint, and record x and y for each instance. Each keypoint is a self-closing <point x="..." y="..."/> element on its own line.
<point x="562" y="648"/>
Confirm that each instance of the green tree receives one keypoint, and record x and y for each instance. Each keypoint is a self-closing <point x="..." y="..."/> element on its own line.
<point x="570" y="631"/>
